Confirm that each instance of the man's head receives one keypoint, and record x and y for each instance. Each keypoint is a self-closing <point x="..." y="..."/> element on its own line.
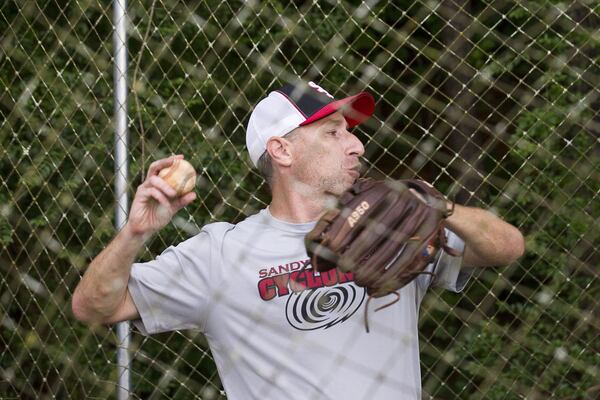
<point x="302" y="131"/>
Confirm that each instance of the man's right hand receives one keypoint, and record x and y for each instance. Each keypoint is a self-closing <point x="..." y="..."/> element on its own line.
<point x="102" y="295"/>
<point x="155" y="202"/>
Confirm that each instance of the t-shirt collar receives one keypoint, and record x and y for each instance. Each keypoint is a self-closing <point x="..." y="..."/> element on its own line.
<point x="303" y="227"/>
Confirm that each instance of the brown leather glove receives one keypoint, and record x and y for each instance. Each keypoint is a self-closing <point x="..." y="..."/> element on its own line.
<point x="383" y="232"/>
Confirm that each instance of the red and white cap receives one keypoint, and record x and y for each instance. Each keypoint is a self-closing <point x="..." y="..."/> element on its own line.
<point x="299" y="104"/>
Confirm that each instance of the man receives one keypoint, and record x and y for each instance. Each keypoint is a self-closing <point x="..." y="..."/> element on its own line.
<point x="276" y="328"/>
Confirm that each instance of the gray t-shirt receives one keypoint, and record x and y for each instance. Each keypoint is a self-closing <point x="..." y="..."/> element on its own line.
<point x="276" y="328"/>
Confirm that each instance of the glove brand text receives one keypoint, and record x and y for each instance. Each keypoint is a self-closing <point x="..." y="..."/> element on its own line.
<point x="357" y="213"/>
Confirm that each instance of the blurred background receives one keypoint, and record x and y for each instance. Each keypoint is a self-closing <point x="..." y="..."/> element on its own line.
<point x="495" y="102"/>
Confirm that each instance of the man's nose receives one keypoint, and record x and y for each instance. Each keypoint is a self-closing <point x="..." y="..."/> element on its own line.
<point x="355" y="146"/>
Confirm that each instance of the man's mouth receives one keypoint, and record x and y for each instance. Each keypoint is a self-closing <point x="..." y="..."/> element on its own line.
<point x="354" y="172"/>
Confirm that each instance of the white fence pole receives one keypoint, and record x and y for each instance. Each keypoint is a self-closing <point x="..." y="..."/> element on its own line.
<point x="121" y="171"/>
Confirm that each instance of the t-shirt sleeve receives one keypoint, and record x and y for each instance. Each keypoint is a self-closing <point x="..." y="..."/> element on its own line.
<point x="448" y="271"/>
<point x="172" y="291"/>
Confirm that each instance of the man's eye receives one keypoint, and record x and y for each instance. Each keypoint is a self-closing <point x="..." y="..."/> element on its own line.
<point x="331" y="132"/>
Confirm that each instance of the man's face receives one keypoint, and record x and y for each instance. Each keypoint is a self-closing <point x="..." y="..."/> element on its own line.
<point x="326" y="155"/>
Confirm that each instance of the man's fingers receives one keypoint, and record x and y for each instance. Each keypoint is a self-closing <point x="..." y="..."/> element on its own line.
<point x="157" y="195"/>
<point x="158" y="182"/>
<point x="157" y="165"/>
<point x="165" y="199"/>
<point x="184" y="200"/>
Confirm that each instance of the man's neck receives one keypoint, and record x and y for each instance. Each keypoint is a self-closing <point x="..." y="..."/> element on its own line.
<point x="296" y="202"/>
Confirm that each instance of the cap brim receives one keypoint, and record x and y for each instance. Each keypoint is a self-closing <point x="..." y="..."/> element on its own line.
<point x="356" y="109"/>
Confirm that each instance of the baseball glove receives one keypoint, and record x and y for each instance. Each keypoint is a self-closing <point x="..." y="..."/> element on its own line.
<point x="383" y="232"/>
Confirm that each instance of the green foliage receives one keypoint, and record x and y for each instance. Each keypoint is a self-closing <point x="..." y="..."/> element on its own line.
<point x="5" y="232"/>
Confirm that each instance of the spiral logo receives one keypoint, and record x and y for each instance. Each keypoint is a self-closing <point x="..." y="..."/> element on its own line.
<point x="323" y="307"/>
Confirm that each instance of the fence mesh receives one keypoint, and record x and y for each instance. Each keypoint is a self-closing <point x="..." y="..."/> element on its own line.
<point x="494" y="102"/>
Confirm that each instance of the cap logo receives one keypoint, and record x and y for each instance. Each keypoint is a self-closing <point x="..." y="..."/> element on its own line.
<point x="319" y="89"/>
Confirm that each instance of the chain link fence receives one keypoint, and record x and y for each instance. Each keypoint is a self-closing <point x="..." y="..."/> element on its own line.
<point x="494" y="102"/>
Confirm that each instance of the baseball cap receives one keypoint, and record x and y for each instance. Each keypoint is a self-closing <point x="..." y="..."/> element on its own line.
<point x="299" y="104"/>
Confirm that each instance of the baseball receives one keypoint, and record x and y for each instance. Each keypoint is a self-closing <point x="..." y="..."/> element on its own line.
<point x="181" y="176"/>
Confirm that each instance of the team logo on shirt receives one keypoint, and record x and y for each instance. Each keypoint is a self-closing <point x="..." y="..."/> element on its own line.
<point x="314" y="300"/>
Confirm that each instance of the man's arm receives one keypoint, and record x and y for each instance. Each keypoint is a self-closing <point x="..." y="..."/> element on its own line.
<point x="101" y="297"/>
<point x="489" y="241"/>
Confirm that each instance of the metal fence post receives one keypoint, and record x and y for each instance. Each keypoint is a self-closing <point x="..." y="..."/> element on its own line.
<point x="121" y="171"/>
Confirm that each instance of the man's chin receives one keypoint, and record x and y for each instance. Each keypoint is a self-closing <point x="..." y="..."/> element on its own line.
<point x="341" y="187"/>
<point x="352" y="180"/>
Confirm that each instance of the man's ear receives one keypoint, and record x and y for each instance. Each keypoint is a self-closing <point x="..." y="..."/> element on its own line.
<point x="280" y="151"/>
